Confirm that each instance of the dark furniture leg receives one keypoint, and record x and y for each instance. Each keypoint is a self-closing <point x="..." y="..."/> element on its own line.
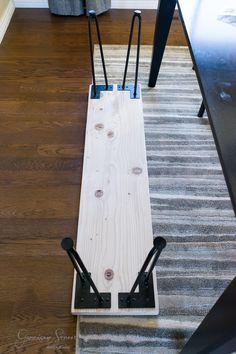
<point x="217" y="332"/>
<point x="165" y="13"/>
<point x="201" y="110"/>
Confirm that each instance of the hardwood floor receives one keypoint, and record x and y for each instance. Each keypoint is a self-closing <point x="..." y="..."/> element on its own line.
<point x="44" y="78"/>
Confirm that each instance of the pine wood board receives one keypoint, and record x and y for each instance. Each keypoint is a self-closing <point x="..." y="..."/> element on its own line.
<point x="115" y="226"/>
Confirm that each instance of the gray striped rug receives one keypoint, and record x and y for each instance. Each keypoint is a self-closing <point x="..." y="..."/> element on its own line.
<point x="190" y="208"/>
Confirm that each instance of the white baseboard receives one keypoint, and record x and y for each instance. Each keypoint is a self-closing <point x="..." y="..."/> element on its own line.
<point x="6" y="18"/>
<point x="134" y="4"/>
<point x="31" y="3"/>
<point x="115" y="4"/>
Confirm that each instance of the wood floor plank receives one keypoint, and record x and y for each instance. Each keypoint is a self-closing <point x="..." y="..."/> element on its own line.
<point x="39" y="202"/>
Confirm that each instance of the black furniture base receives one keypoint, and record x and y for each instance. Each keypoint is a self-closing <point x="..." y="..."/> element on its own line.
<point x="217" y="332"/>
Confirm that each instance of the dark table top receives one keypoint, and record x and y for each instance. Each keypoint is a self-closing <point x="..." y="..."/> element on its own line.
<point x="210" y="27"/>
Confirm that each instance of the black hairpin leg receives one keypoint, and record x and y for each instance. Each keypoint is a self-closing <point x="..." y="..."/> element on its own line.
<point x="201" y="110"/>
<point x="83" y="297"/>
<point x="134" y="89"/>
<point x="145" y="297"/>
<point x="97" y="88"/>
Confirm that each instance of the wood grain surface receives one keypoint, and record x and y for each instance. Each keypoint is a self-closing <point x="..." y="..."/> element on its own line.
<point x="115" y="225"/>
<point x="44" y="78"/>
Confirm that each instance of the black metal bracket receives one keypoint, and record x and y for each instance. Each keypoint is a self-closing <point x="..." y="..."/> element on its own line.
<point x="131" y="88"/>
<point x="96" y="89"/>
<point x="134" y="90"/>
<point x="145" y="297"/>
<point x="99" y="88"/>
<point x="83" y="297"/>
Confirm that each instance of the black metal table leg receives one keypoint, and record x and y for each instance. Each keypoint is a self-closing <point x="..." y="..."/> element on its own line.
<point x="201" y="110"/>
<point x="165" y="14"/>
<point x="145" y="297"/>
<point x="96" y="89"/>
<point x="217" y="332"/>
<point x="83" y="297"/>
<point x="134" y="89"/>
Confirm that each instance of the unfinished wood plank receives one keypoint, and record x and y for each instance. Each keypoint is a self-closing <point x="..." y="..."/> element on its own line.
<point x="115" y="227"/>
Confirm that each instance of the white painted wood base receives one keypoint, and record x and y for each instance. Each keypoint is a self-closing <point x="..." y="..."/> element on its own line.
<point x="5" y="19"/>
<point x="115" y="226"/>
